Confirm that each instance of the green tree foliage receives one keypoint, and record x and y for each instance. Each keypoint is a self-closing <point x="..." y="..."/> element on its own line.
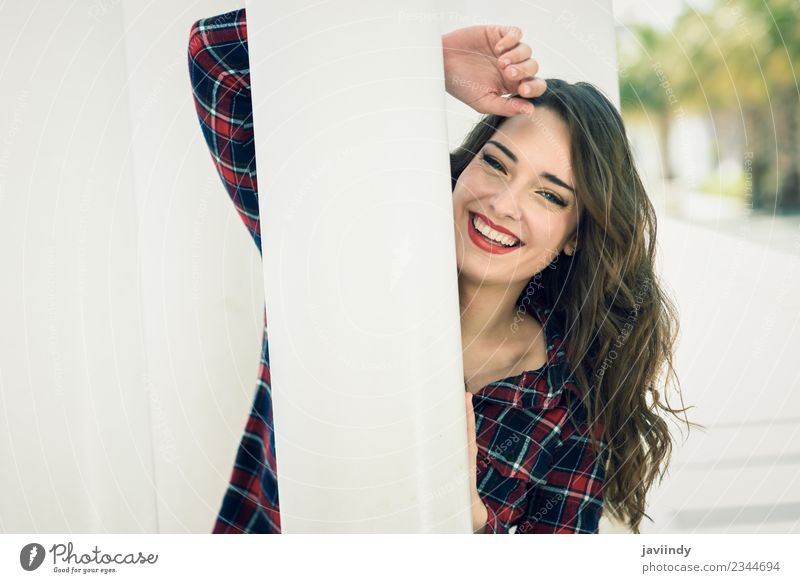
<point x="737" y="64"/>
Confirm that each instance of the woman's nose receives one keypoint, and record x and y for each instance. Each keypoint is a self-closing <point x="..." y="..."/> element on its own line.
<point x="505" y="204"/>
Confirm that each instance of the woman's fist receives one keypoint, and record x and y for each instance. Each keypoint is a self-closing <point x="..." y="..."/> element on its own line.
<point x="481" y="63"/>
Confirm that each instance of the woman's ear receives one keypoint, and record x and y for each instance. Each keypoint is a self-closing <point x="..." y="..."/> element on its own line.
<point x="571" y="246"/>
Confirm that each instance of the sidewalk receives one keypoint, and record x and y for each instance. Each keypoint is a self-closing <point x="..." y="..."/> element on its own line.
<point x="736" y="280"/>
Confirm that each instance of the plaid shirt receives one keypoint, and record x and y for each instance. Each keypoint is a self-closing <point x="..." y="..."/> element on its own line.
<point x="536" y="471"/>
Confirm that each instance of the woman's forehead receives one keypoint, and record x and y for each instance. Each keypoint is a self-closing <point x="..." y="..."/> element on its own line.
<point x="540" y="141"/>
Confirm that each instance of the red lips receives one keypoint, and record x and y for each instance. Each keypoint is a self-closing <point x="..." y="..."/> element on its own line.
<point x="497" y="228"/>
<point x="486" y="245"/>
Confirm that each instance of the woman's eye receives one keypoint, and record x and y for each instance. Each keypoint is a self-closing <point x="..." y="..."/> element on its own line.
<point x="492" y="161"/>
<point x="555" y="198"/>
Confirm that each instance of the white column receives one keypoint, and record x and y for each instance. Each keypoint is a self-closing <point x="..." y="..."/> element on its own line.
<point x="359" y="267"/>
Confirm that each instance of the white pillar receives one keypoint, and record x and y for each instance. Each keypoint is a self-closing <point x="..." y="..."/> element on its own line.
<point x="359" y="268"/>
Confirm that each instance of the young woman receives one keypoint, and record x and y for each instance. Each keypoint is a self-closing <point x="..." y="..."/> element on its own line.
<point x="565" y="329"/>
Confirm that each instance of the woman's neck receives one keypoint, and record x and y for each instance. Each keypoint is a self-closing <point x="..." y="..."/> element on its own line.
<point x="489" y="314"/>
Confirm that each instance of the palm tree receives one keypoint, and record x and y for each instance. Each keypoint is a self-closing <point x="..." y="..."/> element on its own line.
<point x="737" y="62"/>
<point x="779" y="51"/>
<point x="642" y="86"/>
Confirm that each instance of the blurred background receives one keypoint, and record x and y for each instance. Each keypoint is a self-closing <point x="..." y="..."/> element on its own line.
<point x="132" y="298"/>
<point x="709" y="93"/>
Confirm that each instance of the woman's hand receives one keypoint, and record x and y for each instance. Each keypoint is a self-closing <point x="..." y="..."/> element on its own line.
<point x="479" y="512"/>
<point x="483" y="62"/>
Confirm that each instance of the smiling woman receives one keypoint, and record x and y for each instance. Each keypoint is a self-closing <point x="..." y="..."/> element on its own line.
<point x="555" y="248"/>
<point x="563" y="181"/>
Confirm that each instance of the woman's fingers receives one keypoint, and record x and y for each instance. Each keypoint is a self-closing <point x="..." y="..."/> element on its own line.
<point x="471" y="439"/>
<point x="520" y="71"/>
<point x="521" y="52"/>
<point x="517" y="65"/>
<point x="532" y="87"/>
<point x="470" y="414"/>
<point x="470" y="423"/>
<point x="510" y="36"/>
<point x="472" y="446"/>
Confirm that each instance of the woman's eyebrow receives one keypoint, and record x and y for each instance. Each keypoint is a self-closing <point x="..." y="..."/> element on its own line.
<point x="547" y="175"/>
<point x="556" y="180"/>
<point x="506" y="151"/>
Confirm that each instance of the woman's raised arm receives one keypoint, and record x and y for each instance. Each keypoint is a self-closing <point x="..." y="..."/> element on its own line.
<point x="219" y="68"/>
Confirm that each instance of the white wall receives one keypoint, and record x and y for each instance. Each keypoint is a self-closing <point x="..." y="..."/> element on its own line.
<point x="132" y="297"/>
<point x="120" y="250"/>
<point x="74" y="448"/>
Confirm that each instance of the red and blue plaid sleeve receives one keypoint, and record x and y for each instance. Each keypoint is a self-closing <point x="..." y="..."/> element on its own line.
<point x="220" y="76"/>
<point x="571" y="500"/>
<point x="219" y="68"/>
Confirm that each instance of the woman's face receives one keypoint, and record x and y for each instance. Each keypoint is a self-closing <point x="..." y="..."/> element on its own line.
<point x="520" y="180"/>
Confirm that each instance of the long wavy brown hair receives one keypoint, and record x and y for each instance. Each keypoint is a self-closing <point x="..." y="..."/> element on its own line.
<point x="620" y="326"/>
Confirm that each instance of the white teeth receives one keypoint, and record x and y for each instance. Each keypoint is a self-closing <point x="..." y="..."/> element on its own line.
<point x="490" y="233"/>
